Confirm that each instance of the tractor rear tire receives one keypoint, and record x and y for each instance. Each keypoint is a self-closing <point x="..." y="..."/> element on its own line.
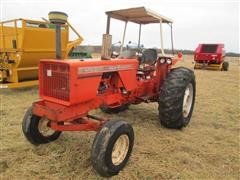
<point x="114" y="110"/>
<point x="225" y="66"/>
<point x="31" y="127"/>
<point x="112" y="147"/>
<point x="177" y="98"/>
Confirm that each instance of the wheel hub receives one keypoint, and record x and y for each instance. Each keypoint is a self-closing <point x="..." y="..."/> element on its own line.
<point x="44" y="128"/>
<point x="120" y="149"/>
<point x="187" y="100"/>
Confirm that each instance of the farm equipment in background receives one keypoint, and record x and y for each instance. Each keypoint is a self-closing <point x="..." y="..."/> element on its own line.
<point x="129" y="47"/>
<point x="70" y="89"/>
<point x="23" y="43"/>
<point x="210" y="56"/>
<point x="79" y="55"/>
<point x="135" y="46"/>
<point x="115" y="47"/>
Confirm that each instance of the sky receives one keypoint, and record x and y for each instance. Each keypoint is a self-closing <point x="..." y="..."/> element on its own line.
<point x="195" y="21"/>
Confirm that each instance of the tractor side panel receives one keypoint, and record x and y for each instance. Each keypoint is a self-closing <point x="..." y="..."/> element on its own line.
<point x="84" y="88"/>
<point x="128" y="79"/>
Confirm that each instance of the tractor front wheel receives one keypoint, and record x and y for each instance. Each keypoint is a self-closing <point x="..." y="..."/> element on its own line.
<point x="177" y="98"/>
<point x="37" y="129"/>
<point x="112" y="147"/>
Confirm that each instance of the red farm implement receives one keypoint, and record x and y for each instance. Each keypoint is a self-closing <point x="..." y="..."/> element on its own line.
<point x="210" y="56"/>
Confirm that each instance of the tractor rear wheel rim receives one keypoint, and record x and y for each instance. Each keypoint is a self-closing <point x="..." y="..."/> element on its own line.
<point x="187" y="100"/>
<point x="44" y="128"/>
<point x="120" y="149"/>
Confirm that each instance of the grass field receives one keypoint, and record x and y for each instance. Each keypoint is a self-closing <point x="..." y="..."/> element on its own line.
<point x="207" y="149"/>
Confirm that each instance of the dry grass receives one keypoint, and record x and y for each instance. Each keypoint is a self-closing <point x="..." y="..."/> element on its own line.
<point x="207" y="149"/>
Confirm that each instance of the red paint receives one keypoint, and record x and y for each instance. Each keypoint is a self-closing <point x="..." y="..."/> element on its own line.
<point x="69" y="89"/>
<point x="83" y="124"/>
<point x="209" y="53"/>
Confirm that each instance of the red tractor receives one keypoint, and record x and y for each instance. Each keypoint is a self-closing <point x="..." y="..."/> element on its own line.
<point x="210" y="56"/>
<point x="70" y="89"/>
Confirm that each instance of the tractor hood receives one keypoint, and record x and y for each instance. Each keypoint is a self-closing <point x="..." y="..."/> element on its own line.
<point x="73" y="81"/>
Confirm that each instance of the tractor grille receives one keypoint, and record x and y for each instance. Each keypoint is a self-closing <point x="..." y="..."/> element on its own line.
<point x="55" y="81"/>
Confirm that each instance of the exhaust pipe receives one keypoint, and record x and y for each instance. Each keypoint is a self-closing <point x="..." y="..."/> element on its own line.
<point x="58" y="42"/>
<point x="59" y="19"/>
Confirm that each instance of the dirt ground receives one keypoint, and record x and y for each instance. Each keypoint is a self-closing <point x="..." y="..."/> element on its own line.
<point x="206" y="149"/>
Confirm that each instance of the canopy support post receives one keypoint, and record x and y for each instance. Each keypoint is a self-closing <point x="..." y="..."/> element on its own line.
<point x="161" y="36"/>
<point x="172" y="39"/>
<point x="139" y="35"/>
<point x="124" y="33"/>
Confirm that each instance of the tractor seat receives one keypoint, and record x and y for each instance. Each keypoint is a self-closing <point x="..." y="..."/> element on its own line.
<point x="149" y="56"/>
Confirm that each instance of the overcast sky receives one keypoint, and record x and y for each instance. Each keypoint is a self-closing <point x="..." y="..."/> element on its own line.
<point x="195" y="21"/>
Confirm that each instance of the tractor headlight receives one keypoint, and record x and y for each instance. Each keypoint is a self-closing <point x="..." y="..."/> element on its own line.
<point x="169" y="61"/>
<point x="162" y="60"/>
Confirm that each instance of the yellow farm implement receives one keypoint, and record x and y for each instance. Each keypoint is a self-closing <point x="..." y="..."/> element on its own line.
<point x="23" y="43"/>
<point x="209" y="66"/>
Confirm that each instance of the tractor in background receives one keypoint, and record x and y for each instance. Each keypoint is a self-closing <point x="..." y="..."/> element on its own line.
<point x="210" y="56"/>
<point x="131" y="46"/>
<point x="70" y="89"/>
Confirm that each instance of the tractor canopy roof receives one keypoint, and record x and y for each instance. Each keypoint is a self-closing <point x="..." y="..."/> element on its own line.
<point x="139" y="15"/>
